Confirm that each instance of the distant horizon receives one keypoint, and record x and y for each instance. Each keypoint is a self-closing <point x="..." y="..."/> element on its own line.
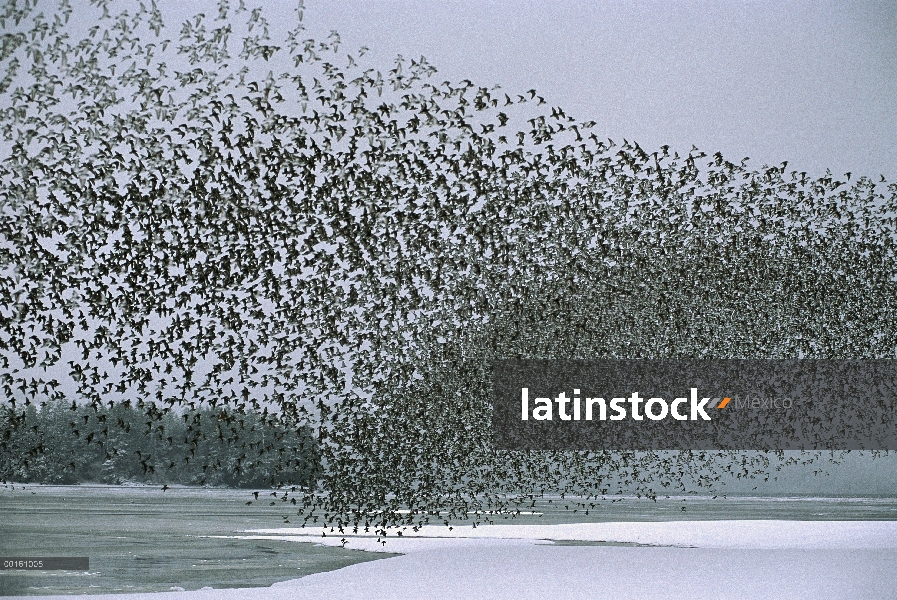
<point x="709" y="495"/>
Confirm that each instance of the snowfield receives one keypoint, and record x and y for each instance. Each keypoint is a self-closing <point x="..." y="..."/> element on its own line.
<point x="679" y="559"/>
<point x="753" y="535"/>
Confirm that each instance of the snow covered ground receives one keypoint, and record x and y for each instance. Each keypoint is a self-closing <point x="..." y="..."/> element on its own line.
<point x="753" y="535"/>
<point x="680" y="559"/>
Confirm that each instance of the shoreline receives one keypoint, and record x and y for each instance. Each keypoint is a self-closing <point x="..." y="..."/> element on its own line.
<point x="745" y="560"/>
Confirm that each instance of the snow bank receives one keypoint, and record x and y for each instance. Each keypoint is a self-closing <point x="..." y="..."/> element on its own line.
<point x="757" y="535"/>
<point x="694" y="560"/>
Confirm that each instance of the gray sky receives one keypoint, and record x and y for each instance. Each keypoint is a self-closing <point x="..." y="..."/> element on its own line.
<point x="811" y="83"/>
<point x="814" y="83"/>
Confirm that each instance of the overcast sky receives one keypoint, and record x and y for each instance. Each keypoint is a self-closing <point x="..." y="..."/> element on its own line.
<point x="811" y="83"/>
<point x="814" y="83"/>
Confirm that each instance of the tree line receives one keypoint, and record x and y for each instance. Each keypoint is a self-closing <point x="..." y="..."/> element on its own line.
<point x="62" y="443"/>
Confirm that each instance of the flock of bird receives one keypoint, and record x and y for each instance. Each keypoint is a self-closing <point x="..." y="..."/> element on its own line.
<point x="209" y="216"/>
